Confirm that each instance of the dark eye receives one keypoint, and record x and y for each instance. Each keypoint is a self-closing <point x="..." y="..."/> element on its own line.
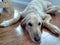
<point x="30" y="24"/>
<point x="39" y="23"/>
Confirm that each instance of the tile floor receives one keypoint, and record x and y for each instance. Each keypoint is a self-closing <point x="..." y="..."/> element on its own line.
<point x="48" y="39"/>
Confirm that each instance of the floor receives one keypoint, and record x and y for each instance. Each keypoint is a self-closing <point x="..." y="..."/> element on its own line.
<point x="15" y="35"/>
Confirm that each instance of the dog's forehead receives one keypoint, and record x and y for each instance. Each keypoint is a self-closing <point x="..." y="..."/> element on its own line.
<point x="35" y="19"/>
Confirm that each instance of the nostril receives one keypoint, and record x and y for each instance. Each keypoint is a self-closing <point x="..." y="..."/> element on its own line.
<point x="37" y="38"/>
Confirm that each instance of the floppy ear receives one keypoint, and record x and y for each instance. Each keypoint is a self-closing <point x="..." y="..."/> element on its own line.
<point x="25" y="20"/>
<point x="41" y="27"/>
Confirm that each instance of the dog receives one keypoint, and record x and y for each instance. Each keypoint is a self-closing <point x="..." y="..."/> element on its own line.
<point x="34" y="15"/>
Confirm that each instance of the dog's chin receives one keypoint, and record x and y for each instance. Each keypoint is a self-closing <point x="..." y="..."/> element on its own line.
<point x="35" y="41"/>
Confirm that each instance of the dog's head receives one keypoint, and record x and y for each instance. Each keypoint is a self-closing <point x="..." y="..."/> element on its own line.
<point x="33" y="25"/>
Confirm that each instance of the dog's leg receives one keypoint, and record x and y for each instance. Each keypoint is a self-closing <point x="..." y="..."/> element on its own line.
<point x="51" y="8"/>
<point x="11" y="21"/>
<point x="50" y="26"/>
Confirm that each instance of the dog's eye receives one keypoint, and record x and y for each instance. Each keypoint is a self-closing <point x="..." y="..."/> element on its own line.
<point x="39" y="23"/>
<point x="30" y="24"/>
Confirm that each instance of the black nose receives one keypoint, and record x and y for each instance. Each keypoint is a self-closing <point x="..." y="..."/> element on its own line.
<point x="37" y="38"/>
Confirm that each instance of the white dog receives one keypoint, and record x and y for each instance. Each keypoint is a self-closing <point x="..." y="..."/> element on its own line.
<point x="34" y="15"/>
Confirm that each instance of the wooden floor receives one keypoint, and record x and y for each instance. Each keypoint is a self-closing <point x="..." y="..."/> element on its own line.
<point x="14" y="35"/>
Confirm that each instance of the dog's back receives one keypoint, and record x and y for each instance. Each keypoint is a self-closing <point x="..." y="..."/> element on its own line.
<point x="35" y="6"/>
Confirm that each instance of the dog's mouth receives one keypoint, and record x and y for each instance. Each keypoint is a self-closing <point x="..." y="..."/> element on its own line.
<point x="35" y="38"/>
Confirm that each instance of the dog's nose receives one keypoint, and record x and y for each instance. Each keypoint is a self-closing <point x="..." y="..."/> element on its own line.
<point x="37" y="38"/>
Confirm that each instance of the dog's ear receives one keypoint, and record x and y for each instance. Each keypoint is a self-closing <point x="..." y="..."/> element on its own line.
<point x="23" y="22"/>
<point x="41" y="27"/>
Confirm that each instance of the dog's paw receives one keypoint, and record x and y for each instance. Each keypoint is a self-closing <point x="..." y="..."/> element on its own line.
<point x="4" y="24"/>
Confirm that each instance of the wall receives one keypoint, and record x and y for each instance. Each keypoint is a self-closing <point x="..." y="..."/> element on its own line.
<point x="25" y="2"/>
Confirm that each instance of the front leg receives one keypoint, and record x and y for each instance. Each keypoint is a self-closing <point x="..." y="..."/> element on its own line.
<point x="11" y="21"/>
<point x="50" y="26"/>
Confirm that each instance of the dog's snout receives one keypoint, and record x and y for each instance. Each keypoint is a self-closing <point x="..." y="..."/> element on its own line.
<point x="37" y="38"/>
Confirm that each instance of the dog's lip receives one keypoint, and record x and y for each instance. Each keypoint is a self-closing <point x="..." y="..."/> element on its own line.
<point x="35" y="41"/>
